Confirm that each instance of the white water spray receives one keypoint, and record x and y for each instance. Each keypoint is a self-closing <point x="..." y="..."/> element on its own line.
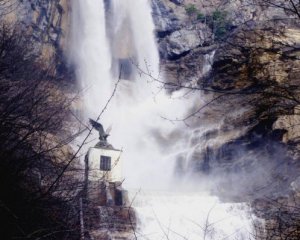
<point x="193" y="216"/>
<point x="150" y="143"/>
<point x="89" y="49"/>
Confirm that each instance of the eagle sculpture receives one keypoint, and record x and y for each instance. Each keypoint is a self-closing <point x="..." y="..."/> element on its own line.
<point x="102" y="134"/>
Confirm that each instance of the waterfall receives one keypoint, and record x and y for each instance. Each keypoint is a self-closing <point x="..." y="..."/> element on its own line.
<point x="117" y="39"/>
<point x="89" y="48"/>
<point x="136" y="111"/>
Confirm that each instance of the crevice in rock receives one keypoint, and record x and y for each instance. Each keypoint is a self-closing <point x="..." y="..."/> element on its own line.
<point x="163" y="34"/>
<point x="175" y="57"/>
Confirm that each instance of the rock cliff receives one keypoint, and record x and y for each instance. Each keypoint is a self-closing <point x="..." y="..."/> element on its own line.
<point x="254" y="57"/>
<point x="46" y="21"/>
<point x="251" y="147"/>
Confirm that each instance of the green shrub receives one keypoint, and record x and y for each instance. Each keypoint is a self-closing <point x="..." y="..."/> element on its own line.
<point x="191" y="9"/>
<point x="200" y="16"/>
<point x="220" y="32"/>
<point x="220" y="24"/>
<point x="218" y="20"/>
<point x="219" y="15"/>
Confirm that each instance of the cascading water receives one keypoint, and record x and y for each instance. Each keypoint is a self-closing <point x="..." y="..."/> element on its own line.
<point x="125" y="46"/>
<point x="89" y="49"/>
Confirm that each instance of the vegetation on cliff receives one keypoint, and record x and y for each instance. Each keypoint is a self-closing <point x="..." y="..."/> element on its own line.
<point x="218" y="21"/>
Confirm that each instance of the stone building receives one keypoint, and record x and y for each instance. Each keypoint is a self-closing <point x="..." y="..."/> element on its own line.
<point x="106" y="211"/>
<point x="103" y="174"/>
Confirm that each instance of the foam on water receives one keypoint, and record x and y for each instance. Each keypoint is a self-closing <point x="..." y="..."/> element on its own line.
<point x="193" y="216"/>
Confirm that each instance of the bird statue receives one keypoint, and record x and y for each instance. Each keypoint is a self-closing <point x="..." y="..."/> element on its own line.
<point x="102" y="134"/>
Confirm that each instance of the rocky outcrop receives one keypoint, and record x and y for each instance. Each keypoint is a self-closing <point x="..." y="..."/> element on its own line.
<point x="164" y="18"/>
<point x="254" y="56"/>
<point x="180" y="42"/>
<point x="255" y="68"/>
<point x="261" y="79"/>
<point x="250" y="150"/>
<point x="187" y="26"/>
<point x="48" y="24"/>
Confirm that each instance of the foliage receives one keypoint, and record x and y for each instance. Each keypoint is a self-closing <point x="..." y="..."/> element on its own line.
<point x="218" y="20"/>
<point x="191" y="9"/>
<point x="218" y="15"/>
<point x="220" y="23"/>
<point x="200" y="16"/>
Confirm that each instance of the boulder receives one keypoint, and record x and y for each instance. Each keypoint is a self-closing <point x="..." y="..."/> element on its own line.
<point x="164" y="18"/>
<point x="290" y="123"/>
<point x="183" y="41"/>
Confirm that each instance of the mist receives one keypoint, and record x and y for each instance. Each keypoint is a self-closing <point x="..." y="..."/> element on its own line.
<point x="114" y="48"/>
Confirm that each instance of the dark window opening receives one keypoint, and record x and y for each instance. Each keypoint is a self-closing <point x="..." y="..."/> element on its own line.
<point x="105" y="163"/>
<point x="126" y="70"/>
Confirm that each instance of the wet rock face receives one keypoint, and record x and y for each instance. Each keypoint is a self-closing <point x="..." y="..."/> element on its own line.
<point x="258" y="67"/>
<point x="183" y="27"/>
<point x="48" y="24"/>
<point x="258" y="60"/>
<point x="255" y="58"/>
<point x="178" y="39"/>
<point x="255" y="62"/>
<point x="164" y="18"/>
<point x="181" y="42"/>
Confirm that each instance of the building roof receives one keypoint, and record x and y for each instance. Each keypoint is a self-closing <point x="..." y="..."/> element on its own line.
<point x="105" y="145"/>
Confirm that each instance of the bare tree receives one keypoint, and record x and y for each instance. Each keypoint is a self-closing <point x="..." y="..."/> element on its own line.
<point x="34" y="146"/>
